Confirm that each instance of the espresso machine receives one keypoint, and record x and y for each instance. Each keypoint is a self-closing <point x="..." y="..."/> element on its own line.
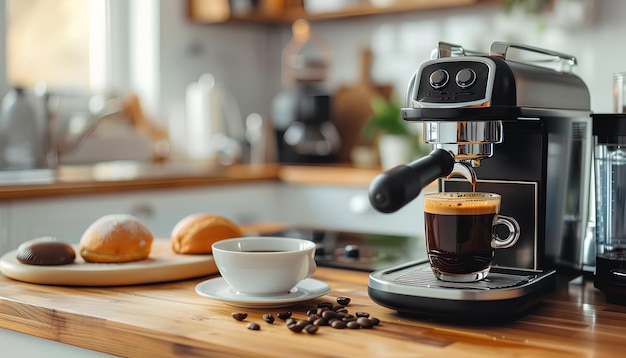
<point x="516" y="122"/>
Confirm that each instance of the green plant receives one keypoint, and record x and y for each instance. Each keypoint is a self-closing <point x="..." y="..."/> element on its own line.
<point x="529" y="6"/>
<point x="385" y="119"/>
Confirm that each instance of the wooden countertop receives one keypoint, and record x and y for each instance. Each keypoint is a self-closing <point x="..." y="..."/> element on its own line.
<point x="129" y="177"/>
<point x="170" y="319"/>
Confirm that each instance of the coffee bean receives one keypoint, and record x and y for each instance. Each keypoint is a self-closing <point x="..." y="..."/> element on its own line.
<point x="311" y="329"/>
<point x="268" y="317"/>
<point x="325" y="305"/>
<point x="324" y="315"/>
<point x="284" y="315"/>
<point x="365" y="322"/>
<point x="312" y="318"/>
<point x="298" y="326"/>
<point x="239" y="316"/>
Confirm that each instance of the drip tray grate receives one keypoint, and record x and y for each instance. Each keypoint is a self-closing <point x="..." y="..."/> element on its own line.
<point x="423" y="277"/>
<point x="503" y="294"/>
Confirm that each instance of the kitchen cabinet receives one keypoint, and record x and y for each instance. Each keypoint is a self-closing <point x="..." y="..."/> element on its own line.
<point x="329" y="206"/>
<point x="4" y="227"/>
<point x="67" y="218"/>
<point x="345" y="208"/>
<point x="207" y="11"/>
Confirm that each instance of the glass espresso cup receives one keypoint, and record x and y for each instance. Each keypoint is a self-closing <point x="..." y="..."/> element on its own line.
<point x="460" y="234"/>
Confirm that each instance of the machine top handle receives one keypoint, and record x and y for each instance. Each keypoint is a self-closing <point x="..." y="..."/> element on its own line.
<point x="499" y="49"/>
<point x="447" y="49"/>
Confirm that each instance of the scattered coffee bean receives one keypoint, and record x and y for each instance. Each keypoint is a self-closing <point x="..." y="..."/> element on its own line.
<point x="239" y="316"/>
<point x="298" y="326"/>
<point x="344" y="301"/>
<point x="268" y="317"/>
<point x="326" y="314"/>
<point x="311" y="329"/>
<point x="365" y="322"/>
<point x="284" y="315"/>
<point x="325" y="305"/>
<point x="312" y="318"/>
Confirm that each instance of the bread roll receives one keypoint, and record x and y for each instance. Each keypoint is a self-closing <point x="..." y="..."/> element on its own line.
<point x="196" y="233"/>
<point x="116" y="238"/>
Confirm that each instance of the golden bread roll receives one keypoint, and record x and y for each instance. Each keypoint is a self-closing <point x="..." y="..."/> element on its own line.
<point x="196" y="233"/>
<point x="116" y="238"/>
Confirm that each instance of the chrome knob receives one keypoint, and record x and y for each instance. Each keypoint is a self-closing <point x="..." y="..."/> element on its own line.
<point x="465" y="78"/>
<point x="439" y="78"/>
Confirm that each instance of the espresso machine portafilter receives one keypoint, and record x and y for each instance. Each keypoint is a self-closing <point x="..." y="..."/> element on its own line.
<point x="516" y="122"/>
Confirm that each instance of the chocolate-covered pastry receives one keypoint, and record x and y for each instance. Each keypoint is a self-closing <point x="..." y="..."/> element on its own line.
<point x="45" y="251"/>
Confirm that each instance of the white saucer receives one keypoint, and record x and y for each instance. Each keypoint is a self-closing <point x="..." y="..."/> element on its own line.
<point x="218" y="289"/>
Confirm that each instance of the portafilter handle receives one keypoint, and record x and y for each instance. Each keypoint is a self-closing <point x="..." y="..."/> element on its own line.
<point x="391" y="190"/>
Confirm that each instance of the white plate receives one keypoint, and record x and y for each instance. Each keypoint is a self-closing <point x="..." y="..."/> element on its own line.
<point x="218" y="289"/>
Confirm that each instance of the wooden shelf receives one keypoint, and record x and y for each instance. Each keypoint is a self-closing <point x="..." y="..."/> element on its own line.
<point x="205" y="11"/>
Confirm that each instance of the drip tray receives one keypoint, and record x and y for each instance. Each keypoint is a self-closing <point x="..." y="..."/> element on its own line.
<point x="505" y="294"/>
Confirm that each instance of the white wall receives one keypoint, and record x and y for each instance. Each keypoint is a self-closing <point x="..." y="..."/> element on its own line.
<point x="246" y="57"/>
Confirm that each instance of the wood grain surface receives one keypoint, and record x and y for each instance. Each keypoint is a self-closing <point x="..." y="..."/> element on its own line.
<point x="172" y="320"/>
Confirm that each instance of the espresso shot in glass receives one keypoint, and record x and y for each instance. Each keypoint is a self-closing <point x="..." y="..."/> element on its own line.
<point x="460" y="234"/>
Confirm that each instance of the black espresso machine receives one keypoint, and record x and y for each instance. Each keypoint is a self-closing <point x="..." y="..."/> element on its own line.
<point x="517" y="122"/>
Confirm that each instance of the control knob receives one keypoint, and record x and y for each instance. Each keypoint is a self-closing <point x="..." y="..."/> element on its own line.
<point x="465" y="78"/>
<point x="439" y="78"/>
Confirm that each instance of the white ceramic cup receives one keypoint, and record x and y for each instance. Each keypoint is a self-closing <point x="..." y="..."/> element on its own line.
<point x="264" y="266"/>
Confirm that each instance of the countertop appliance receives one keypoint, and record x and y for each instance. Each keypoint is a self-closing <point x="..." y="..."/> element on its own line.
<point x="302" y="113"/>
<point x="609" y="132"/>
<point x="514" y="126"/>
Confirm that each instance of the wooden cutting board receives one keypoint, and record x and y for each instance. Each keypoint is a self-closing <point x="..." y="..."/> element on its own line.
<point x="352" y="106"/>
<point x="162" y="265"/>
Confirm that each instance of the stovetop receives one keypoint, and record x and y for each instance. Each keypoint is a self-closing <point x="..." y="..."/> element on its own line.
<point x="358" y="251"/>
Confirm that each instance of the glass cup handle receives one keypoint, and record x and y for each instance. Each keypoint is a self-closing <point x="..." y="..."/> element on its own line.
<point x="514" y="232"/>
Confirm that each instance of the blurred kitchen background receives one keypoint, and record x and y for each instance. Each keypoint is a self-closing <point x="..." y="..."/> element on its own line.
<point x="183" y="59"/>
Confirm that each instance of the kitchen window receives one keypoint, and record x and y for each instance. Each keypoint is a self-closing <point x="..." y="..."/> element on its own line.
<point x="59" y="42"/>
